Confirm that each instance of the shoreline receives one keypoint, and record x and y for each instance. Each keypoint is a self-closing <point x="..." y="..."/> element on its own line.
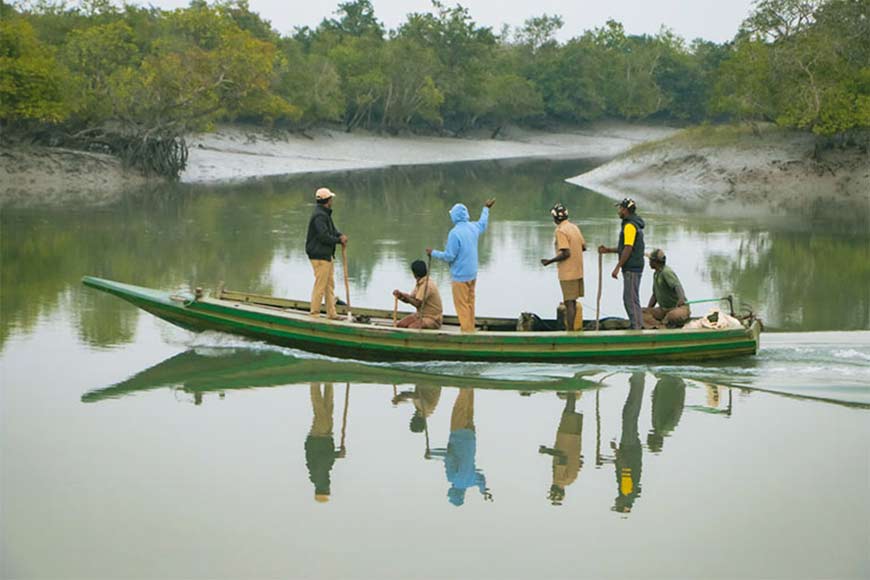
<point x="31" y="175"/>
<point x="234" y="154"/>
<point x="736" y="171"/>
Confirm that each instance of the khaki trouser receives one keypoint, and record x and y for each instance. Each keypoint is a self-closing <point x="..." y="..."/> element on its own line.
<point x="659" y="317"/>
<point x="463" y="302"/>
<point x="321" y="404"/>
<point x="462" y="416"/>
<point x="324" y="283"/>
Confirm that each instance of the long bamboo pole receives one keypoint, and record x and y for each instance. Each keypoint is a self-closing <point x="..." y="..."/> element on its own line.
<point x="344" y="415"/>
<point x="598" y="299"/>
<point x="346" y="281"/>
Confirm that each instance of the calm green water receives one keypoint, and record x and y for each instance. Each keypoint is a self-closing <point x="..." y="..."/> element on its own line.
<point x="134" y="449"/>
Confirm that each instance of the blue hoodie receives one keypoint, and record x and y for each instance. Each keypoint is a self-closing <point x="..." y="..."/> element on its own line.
<point x="461" y="250"/>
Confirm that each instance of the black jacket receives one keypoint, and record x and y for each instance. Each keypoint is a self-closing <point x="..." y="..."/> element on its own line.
<point x="635" y="261"/>
<point x="322" y="235"/>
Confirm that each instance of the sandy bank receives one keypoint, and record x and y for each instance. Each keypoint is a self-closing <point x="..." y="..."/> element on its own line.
<point x="234" y="153"/>
<point x="731" y="170"/>
<point x="52" y="175"/>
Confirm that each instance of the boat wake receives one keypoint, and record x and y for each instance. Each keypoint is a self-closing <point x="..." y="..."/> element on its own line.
<point x="825" y="365"/>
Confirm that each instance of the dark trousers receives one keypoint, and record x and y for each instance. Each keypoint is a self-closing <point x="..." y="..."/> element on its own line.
<point x="631" y="298"/>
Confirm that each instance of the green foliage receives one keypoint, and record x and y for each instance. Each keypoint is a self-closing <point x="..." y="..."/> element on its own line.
<point x="800" y="63"/>
<point x="31" y="80"/>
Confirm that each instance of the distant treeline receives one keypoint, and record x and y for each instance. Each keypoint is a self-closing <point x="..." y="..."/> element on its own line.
<point x="134" y="80"/>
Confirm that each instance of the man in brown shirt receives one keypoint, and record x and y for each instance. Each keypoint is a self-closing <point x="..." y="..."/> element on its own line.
<point x="424" y="297"/>
<point x="570" y="246"/>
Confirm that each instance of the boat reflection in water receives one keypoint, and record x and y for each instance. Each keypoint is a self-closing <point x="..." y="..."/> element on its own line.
<point x="221" y="370"/>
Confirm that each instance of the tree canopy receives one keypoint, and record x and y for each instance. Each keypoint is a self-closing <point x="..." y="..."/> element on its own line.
<point x="159" y="74"/>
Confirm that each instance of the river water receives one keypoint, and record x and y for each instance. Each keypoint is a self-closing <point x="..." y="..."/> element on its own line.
<point x="132" y="449"/>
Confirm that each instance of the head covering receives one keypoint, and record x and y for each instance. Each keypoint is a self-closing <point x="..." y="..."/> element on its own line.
<point x="658" y="255"/>
<point x="559" y="212"/>
<point x="459" y="213"/>
<point x="456" y="496"/>
<point x="323" y="193"/>
<point x="628" y="204"/>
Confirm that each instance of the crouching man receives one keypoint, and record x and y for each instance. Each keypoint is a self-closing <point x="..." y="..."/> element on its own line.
<point x="672" y="310"/>
<point x="424" y="297"/>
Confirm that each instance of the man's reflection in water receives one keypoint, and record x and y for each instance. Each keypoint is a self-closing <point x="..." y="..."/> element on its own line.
<point x="668" y="400"/>
<point x="629" y="455"/>
<point x="320" y="452"/>
<point x="425" y="399"/>
<point x="567" y="459"/>
<point x="461" y="449"/>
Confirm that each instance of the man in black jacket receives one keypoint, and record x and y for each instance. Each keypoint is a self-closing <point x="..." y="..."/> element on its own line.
<point x="630" y="250"/>
<point x="320" y="246"/>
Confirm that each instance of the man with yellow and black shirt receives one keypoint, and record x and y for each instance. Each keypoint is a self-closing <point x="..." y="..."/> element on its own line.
<point x="630" y="250"/>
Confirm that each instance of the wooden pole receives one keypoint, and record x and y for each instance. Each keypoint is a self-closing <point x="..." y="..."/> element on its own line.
<point x="598" y="299"/>
<point x="346" y="282"/>
<point x="344" y="415"/>
<point x="425" y="287"/>
<point x="395" y="310"/>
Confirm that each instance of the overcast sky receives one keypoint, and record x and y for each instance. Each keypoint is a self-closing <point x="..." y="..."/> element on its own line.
<point x="715" y="20"/>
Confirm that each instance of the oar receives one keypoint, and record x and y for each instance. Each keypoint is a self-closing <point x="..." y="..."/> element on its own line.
<point x="344" y="416"/>
<point x="395" y="310"/>
<point x="346" y="282"/>
<point x="425" y="287"/>
<point x="598" y="300"/>
<point x="598" y="460"/>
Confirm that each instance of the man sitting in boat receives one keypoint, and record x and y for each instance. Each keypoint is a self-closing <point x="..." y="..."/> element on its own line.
<point x="672" y="310"/>
<point x="424" y="297"/>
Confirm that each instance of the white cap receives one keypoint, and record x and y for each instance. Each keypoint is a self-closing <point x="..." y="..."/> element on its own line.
<point x="323" y="193"/>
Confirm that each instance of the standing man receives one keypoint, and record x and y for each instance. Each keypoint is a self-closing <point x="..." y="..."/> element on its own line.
<point x="424" y="297"/>
<point x="566" y="451"/>
<point x="320" y="246"/>
<point x="672" y="310"/>
<point x="630" y="250"/>
<point x="461" y="254"/>
<point x="570" y="246"/>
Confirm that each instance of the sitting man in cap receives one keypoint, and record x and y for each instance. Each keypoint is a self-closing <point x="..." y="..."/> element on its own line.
<point x="320" y="244"/>
<point x="424" y="297"/>
<point x="672" y="310"/>
<point x="570" y="246"/>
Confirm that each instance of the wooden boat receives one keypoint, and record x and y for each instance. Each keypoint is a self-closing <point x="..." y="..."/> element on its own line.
<point x="287" y="323"/>
<point x="244" y="369"/>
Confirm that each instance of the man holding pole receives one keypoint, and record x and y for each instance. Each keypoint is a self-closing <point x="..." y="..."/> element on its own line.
<point x="461" y="254"/>
<point x="424" y="297"/>
<point x="570" y="246"/>
<point x="320" y="244"/>
<point x="630" y="250"/>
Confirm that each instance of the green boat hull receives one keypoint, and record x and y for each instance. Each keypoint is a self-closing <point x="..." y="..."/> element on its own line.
<point x="295" y="329"/>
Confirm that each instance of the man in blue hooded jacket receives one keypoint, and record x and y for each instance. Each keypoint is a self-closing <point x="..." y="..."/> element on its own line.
<point x="461" y="254"/>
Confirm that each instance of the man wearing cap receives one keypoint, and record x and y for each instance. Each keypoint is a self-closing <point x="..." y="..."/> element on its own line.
<point x="630" y="250"/>
<point x="320" y="245"/>
<point x="570" y="246"/>
<point x="424" y="297"/>
<point x="461" y="254"/>
<point x="672" y="310"/>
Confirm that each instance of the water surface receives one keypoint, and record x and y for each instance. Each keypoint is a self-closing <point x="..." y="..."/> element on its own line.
<point x="131" y="448"/>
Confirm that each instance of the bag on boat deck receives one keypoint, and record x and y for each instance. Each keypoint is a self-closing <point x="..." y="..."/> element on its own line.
<point x="531" y="322"/>
<point x="715" y="319"/>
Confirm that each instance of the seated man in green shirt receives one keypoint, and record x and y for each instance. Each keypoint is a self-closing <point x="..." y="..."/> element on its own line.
<point x="672" y="310"/>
